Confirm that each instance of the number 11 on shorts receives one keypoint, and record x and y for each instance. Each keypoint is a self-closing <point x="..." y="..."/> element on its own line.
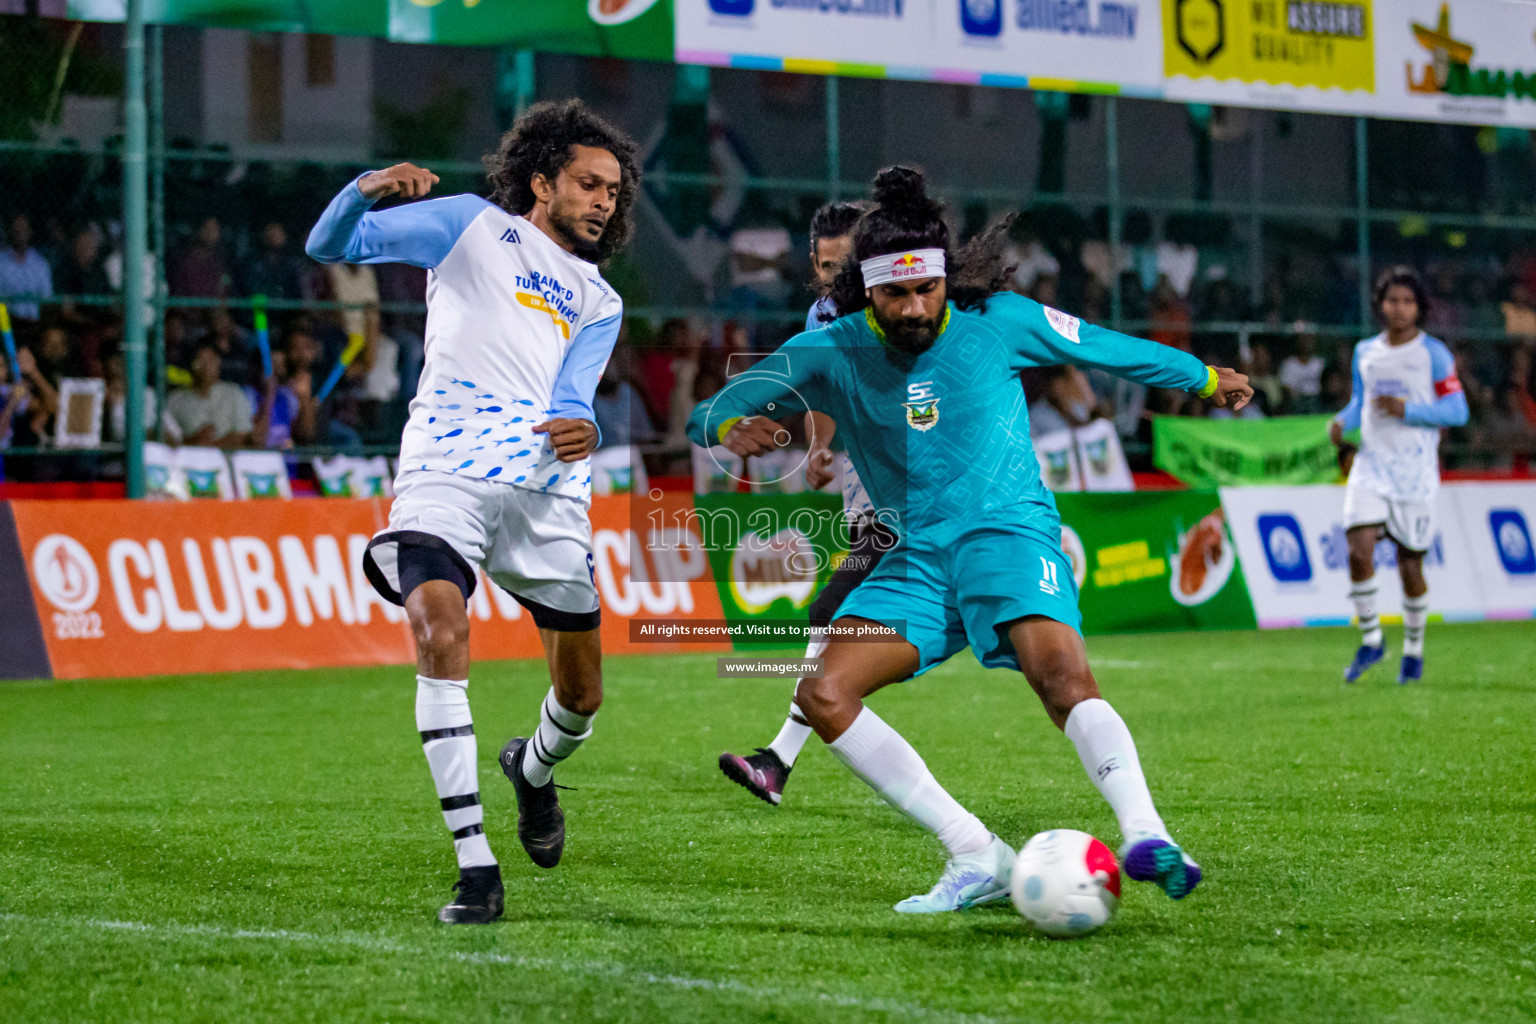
<point x="1048" y="583"/>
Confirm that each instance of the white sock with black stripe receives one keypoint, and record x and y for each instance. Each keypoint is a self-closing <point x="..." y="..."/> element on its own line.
<point x="448" y="739"/>
<point x="1415" y="615"/>
<point x="1363" y="593"/>
<point x="560" y="732"/>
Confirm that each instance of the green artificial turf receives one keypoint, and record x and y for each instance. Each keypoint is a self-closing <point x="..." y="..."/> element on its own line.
<point x="267" y="847"/>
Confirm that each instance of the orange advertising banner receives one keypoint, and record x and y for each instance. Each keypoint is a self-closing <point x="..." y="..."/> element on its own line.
<point x="146" y="588"/>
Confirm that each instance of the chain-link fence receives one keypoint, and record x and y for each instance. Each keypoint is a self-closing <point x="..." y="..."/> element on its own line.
<point x="1240" y="235"/>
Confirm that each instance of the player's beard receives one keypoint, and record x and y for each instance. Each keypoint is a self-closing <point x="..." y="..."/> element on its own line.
<point x="910" y="334"/>
<point x="569" y="228"/>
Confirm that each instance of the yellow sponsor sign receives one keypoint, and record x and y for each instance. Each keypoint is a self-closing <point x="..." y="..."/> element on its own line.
<point x="1271" y="42"/>
<point x="539" y="303"/>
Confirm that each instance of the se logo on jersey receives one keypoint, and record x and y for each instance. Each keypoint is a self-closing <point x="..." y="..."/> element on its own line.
<point x="922" y="406"/>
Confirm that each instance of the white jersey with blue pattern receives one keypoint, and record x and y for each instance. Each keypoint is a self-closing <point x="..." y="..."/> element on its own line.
<point x="855" y="498"/>
<point x="1399" y="458"/>
<point x="518" y="332"/>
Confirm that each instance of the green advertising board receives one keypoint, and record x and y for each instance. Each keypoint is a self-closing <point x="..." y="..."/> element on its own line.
<point x="1154" y="560"/>
<point x="770" y="554"/>
<point x="1225" y="453"/>
<point x="640" y="29"/>
<point x="1147" y="561"/>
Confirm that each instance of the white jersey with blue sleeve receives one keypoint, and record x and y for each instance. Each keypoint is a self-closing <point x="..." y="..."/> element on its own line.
<point x="1399" y="458"/>
<point x="855" y="498"/>
<point x="518" y="332"/>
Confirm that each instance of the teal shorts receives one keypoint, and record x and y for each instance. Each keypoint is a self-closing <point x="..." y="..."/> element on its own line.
<point x="948" y="588"/>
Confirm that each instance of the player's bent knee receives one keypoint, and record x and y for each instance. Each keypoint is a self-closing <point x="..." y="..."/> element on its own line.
<point x="440" y="634"/>
<point x="820" y="699"/>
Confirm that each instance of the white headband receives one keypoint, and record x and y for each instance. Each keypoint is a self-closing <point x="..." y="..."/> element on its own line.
<point x="903" y="266"/>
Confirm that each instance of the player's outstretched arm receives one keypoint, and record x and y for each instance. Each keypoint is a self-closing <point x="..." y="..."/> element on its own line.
<point x="421" y="234"/>
<point x="1041" y="336"/>
<point x="742" y="415"/>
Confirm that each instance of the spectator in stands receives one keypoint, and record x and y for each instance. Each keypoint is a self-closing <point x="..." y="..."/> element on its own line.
<point x="1065" y="402"/>
<point x="30" y="420"/>
<point x="620" y="411"/>
<point x="1519" y="313"/>
<point x="53" y="353"/>
<point x="274" y="269"/>
<point x="200" y="269"/>
<point x="1268" y="391"/>
<point x="1301" y="376"/>
<point x="211" y="412"/>
<point x="235" y="344"/>
<point x="82" y="271"/>
<point x="311" y="425"/>
<point x="1170" y="315"/>
<point x="115" y="415"/>
<point x="23" y="271"/>
<point x="13" y="405"/>
<point x="1503" y="435"/>
<point x="277" y="399"/>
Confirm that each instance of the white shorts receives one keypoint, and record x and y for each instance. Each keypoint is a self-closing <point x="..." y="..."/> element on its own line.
<point x="1410" y="523"/>
<point x="534" y="545"/>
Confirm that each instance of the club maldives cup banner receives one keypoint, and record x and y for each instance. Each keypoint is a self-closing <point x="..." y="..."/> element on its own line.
<point x="133" y="588"/>
<point x="1215" y="453"/>
<point x="1153" y="561"/>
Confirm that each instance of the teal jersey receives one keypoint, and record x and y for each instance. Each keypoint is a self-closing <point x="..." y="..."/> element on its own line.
<point x="941" y="436"/>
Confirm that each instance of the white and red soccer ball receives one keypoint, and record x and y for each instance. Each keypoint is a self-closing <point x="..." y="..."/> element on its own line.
<point x="1066" y="883"/>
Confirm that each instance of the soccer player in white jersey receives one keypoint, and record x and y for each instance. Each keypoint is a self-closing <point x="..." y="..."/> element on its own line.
<point x="1405" y="393"/>
<point x="494" y="471"/>
<point x="765" y="773"/>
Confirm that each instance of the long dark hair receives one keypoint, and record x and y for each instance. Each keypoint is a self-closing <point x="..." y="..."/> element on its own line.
<point x="542" y="142"/>
<point x="906" y="217"/>
<point x="1408" y="278"/>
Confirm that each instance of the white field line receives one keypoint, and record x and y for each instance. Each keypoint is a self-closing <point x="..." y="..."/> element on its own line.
<point x="587" y="968"/>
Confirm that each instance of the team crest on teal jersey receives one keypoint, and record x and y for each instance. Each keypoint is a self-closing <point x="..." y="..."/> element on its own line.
<point x="923" y="409"/>
<point x="922" y="415"/>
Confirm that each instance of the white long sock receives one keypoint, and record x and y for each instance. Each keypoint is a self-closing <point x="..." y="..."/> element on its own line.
<point x="1415" y="615"/>
<point x="1108" y="754"/>
<point x="560" y="732"/>
<point x="796" y="730"/>
<point x="877" y="754"/>
<point x="448" y="739"/>
<point x="1363" y="593"/>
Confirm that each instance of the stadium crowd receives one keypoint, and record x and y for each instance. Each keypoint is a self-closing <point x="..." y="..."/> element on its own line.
<point x="1178" y="289"/>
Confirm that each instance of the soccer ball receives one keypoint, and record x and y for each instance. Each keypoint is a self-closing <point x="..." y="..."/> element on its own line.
<point x="1066" y="882"/>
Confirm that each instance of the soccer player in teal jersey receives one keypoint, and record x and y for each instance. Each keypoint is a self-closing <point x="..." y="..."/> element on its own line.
<point x="928" y="402"/>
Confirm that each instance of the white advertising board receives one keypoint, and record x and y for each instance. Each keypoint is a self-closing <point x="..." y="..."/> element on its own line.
<point x="1290" y="541"/>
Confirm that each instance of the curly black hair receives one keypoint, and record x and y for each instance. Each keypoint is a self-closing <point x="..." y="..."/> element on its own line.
<point x="834" y="220"/>
<point x="542" y="142"/>
<point x="906" y="217"/>
<point x="1408" y="278"/>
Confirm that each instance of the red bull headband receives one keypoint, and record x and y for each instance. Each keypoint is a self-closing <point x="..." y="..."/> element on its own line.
<point x="902" y="266"/>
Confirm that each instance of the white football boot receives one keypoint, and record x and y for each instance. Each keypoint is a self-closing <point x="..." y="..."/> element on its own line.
<point x="967" y="881"/>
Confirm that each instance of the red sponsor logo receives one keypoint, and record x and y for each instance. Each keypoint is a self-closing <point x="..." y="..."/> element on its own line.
<point x="1448" y="386"/>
